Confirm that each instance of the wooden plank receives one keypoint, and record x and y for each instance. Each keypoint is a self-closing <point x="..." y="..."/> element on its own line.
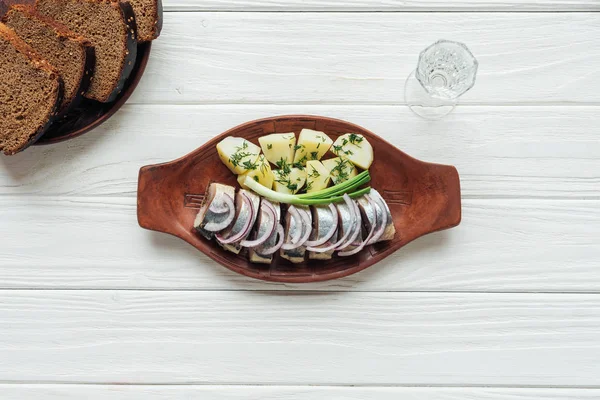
<point x="503" y="245"/>
<point x="500" y="152"/>
<point x="366" y="57"/>
<point x="382" y="5"/>
<point x="187" y="392"/>
<point x="338" y="338"/>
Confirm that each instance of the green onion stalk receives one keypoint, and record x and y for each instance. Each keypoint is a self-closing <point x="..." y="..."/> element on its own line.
<point x="334" y="194"/>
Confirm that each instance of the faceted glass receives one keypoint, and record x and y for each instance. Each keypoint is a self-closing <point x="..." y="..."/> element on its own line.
<point x="446" y="69"/>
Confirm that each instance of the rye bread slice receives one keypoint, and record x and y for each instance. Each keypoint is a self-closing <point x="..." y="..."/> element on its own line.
<point x="30" y="93"/>
<point x="110" y="26"/>
<point x="72" y="55"/>
<point x="148" y="15"/>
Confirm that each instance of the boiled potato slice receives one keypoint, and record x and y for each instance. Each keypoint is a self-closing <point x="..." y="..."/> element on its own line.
<point x="239" y="155"/>
<point x="312" y="145"/>
<point x="278" y="146"/>
<point x="340" y="169"/>
<point x="289" y="183"/>
<point x="317" y="176"/>
<point x="354" y="147"/>
<point x="261" y="174"/>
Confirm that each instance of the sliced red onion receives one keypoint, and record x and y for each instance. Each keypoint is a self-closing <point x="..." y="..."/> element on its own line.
<point x="271" y="207"/>
<point x="306" y="220"/>
<point x="305" y="230"/>
<point x="381" y="229"/>
<point x="268" y="232"/>
<point x="273" y="250"/>
<point x="296" y="216"/>
<point x="244" y="232"/>
<point x="357" y="228"/>
<point x="217" y="227"/>
<point x="364" y="242"/>
<point x="329" y="234"/>
<point x="334" y="246"/>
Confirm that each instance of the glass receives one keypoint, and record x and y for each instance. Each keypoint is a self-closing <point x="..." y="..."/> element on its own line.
<point x="446" y="70"/>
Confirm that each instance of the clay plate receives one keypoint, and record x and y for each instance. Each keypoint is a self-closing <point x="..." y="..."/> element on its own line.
<point x="89" y="114"/>
<point x="422" y="197"/>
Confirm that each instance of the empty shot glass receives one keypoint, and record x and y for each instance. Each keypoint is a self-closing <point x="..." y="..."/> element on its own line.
<point x="445" y="71"/>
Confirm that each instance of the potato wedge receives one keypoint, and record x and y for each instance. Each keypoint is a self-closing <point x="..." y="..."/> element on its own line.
<point x="312" y="145"/>
<point x="290" y="183"/>
<point x="238" y="154"/>
<point x="340" y="169"/>
<point x="354" y="147"/>
<point x="317" y="176"/>
<point x="261" y="174"/>
<point x="278" y="146"/>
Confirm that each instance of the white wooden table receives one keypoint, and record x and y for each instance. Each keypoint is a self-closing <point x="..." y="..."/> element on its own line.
<point x="505" y="306"/>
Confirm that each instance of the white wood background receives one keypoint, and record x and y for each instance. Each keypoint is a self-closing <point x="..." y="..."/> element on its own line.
<point x="507" y="306"/>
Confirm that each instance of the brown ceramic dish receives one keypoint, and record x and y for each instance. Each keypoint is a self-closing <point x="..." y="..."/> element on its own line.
<point x="89" y="114"/>
<point x="422" y="197"/>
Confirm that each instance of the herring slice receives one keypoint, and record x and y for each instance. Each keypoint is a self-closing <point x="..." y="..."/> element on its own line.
<point x="390" y="230"/>
<point x="323" y="220"/>
<point x="262" y="224"/>
<point x="347" y="223"/>
<point x="292" y="226"/>
<point x="214" y="200"/>
<point x="244" y="212"/>
<point x="369" y="213"/>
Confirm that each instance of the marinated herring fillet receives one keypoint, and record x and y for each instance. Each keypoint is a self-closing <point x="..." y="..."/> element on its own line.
<point x="72" y="55"/>
<point x="111" y="28"/>
<point x="245" y="217"/>
<point x="368" y="213"/>
<point x="343" y="228"/>
<point x="323" y="223"/>
<point x="30" y="93"/>
<point x="347" y="224"/>
<point x="214" y="210"/>
<point x="263" y="223"/>
<point x="389" y="231"/>
<point x="294" y="227"/>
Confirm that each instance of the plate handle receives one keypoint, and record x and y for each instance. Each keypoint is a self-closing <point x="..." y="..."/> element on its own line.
<point x="154" y="209"/>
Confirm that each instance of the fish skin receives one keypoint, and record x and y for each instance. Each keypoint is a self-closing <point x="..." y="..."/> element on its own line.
<point x="323" y="215"/>
<point x="297" y="255"/>
<point x="345" y="223"/>
<point x="369" y="213"/>
<point x="214" y="194"/>
<point x="242" y="214"/>
<point x="259" y="230"/>
<point x="390" y="230"/>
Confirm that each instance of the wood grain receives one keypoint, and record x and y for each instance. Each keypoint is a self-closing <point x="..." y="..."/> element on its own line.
<point x="294" y="338"/>
<point x="382" y="5"/>
<point x="501" y="245"/>
<point x="188" y="392"/>
<point x="366" y="57"/>
<point x="500" y="152"/>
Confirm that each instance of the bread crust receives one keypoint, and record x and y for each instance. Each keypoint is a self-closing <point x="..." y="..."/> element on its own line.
<point x="158" y="22"/>
<point x="42" y="64"/>
<point x="130" y="46"/>
<point x="64" y="32"/>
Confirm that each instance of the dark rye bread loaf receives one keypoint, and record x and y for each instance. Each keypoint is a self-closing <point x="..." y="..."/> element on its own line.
<point x="148" y="15"/>
<point x="72" y="55"/>
<point x="30" y="93"/>
<point x="110" y="26"/>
